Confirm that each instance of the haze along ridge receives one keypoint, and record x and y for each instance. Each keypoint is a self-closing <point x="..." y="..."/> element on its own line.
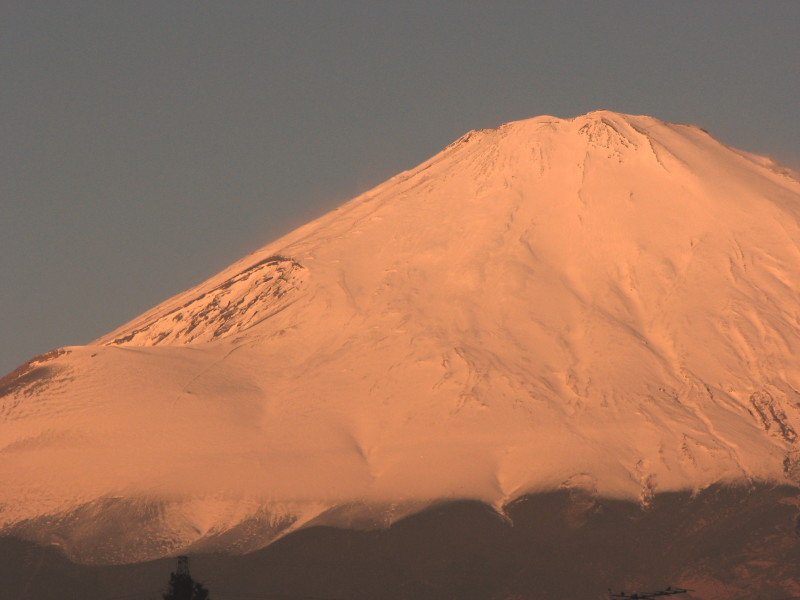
<point x="606" y="302"/>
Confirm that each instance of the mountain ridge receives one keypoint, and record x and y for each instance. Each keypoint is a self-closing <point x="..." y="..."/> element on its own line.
<point x="606" y="302"/>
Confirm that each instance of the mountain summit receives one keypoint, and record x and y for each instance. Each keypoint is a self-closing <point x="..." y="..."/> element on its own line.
<point x="607" y="303"/>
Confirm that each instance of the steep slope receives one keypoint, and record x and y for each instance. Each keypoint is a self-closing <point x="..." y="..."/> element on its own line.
<point x="606" y="303"/>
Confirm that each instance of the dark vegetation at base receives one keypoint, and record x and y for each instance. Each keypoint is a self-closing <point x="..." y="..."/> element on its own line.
<point x="182" y="586"/>
<point x="724" y="543"/>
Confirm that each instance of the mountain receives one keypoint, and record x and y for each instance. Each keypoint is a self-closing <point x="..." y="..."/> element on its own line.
<point x="604" y="307"/>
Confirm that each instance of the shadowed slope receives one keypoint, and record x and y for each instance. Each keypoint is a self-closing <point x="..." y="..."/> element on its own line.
<point x="725" y="544"/>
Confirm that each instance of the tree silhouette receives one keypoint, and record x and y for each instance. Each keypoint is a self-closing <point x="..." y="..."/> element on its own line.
<point x="182" y="586"/>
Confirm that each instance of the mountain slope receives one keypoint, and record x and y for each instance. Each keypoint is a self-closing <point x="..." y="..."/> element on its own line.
<point x="606" y="303"/>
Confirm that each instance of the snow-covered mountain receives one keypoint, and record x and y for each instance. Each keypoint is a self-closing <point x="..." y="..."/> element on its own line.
<point x="607" y="303"/>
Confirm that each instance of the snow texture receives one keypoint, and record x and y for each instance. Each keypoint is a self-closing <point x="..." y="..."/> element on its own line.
<point x="607" y="302"/>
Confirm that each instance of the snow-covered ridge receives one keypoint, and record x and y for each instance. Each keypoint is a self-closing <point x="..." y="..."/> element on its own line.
<point x="244" y="299"/>
<point x="607" y="303"/>
<point x="29" y="379"/>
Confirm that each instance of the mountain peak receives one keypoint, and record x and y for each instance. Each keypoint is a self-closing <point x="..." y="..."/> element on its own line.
<point x="610" y="115"/>
<point x="601" y="128"/>
<point x="593" y="116"/>
<point x="608" y="298"/>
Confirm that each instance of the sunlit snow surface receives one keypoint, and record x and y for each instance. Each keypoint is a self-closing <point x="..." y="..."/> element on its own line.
<point x="608" y="302"/>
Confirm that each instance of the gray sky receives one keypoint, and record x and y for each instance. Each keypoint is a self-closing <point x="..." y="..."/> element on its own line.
<point x="147" y="145"/>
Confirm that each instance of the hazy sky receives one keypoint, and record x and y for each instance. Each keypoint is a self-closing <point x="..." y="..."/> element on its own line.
<point x="147" y="145"/>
